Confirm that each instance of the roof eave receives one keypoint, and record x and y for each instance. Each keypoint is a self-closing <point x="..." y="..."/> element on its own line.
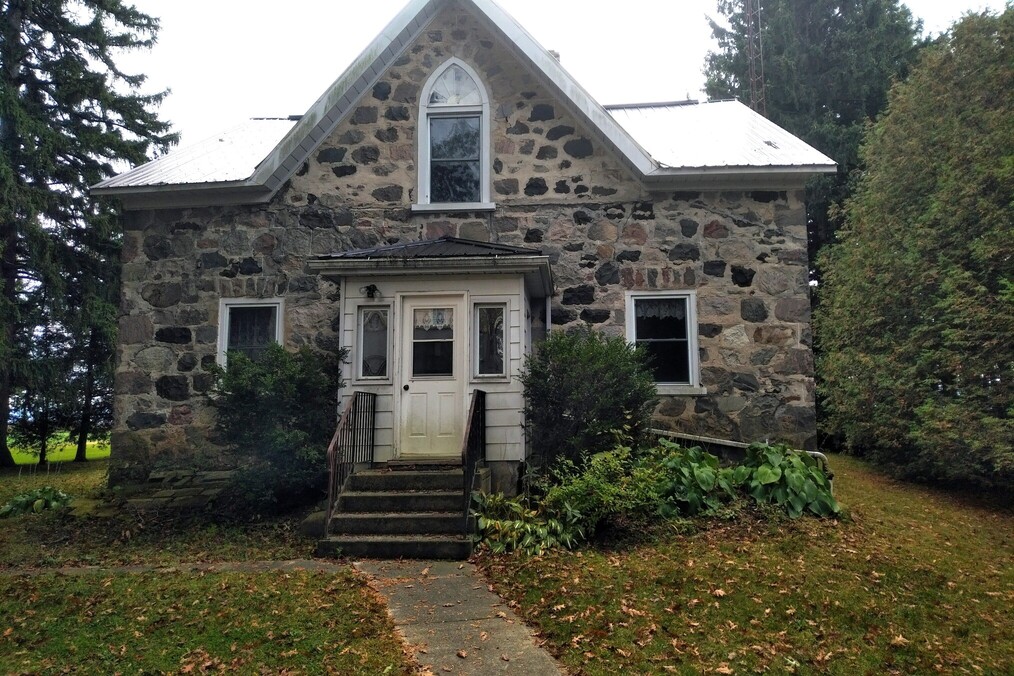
<point x="169" y="196"/>
<point x="773" y="176"/>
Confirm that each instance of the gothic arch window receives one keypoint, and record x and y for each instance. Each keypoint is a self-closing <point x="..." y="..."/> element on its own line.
<point x="454" y="130"/>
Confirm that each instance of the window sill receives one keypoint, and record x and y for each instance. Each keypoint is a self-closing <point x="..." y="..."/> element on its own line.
<point x="684" y="390"/>
<point x="451" y="207"/>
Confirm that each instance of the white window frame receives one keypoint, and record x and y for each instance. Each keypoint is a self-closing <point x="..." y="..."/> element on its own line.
<point x="506" y="307"/>
<point x="694" y="387"/>
<point x="359" y="344"/>
<point x="428" y="111"/>
<point x="225" y="304"/>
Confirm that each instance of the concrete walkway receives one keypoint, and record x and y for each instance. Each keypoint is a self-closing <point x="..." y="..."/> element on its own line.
<point x="453" y="623"/>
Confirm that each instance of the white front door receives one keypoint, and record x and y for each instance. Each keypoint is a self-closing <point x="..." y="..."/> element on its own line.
<point x="432" y="376"/>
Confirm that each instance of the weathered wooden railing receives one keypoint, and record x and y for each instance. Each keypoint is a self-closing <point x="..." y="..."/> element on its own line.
<point x="351" y="445"/>
<point x="473" y="448"/>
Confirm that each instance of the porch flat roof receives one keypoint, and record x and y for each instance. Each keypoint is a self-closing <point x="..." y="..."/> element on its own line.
<point x="442" y="247"/>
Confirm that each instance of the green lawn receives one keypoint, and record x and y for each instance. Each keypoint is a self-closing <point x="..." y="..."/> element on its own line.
<point x="913" y="581"/>
<point x="62" y="449"/>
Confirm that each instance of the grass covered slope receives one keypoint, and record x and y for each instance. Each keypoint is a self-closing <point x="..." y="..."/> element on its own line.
<point x="913" y="581"/>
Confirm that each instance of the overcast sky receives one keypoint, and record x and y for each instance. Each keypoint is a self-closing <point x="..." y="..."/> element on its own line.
<point x="228" y="60"/>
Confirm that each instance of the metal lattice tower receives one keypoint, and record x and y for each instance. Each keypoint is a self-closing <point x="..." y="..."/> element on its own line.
<point x="755" y="55"/>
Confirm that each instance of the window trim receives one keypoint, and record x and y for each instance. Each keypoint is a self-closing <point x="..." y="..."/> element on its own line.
<point x="358" y="356"/>
<point x="506" y="307"/>
<point x="694" y="387"/>
<point x="225" y="304"/>
<point x="426" y="112"/>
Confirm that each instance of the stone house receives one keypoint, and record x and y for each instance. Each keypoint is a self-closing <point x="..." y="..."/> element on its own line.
<point x="453" y="196"/>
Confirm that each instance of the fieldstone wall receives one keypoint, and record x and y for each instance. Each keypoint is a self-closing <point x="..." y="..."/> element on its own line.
<point x="557" y="187"/>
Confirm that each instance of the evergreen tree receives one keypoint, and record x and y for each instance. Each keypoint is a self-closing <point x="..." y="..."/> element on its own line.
<point x="916" y="317"/>
<point x="68" y="117"/>
<point x="828" y="65"/>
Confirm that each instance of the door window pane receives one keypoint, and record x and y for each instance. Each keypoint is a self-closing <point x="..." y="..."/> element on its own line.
<point x="251" y="329"/>
<point x="374" y="342"/>
<point x="433" y="342"/>
<point x="490" y="339"/>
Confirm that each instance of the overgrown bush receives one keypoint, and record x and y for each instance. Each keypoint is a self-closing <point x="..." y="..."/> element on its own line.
<point x="279" y="411"/>
<point x="582" y="389"/>
<point x="691" y="481"/>
<point x="790" y="480"/>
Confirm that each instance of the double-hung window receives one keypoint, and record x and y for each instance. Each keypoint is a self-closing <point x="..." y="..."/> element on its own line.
<point x="248" y="325"/>
<point x="454" y="140"/>
<point x="664" y="325"/>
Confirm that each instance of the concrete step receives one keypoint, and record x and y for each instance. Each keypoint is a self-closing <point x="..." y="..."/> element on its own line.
<point x="396" y="546"/>
<point x="400" y="501"/>
<point x="411" y="523"/>
<point x="375" y="480"/>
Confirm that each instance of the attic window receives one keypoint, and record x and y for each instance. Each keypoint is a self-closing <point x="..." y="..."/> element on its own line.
<point x="454" y="157"/>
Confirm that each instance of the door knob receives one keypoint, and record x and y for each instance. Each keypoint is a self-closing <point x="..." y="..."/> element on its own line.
<point x="405" y="388"/>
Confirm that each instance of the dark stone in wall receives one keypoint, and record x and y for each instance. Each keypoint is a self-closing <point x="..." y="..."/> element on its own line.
<point x="366" y="154"/>
<point x="343" y="171"/>
<point x="132" y="382"/>
<point x="573" y="246"/>
<point x="389" y="193"/>
<point x="203" y="382"/>
<point x="249" y="266"/>
<point x="303" y="169"/>
<point x="594" y="316"/>
<point x="144" y="421"/>
<point x="173" y="388"/>
<point x="206" y="335"/>
<point x="527" y="147"/>
<point x="561" y="188"/>
<point x="518" y="128"/>
<point x="506" y="186"/>
<point x="505" y="224"/>
<point x="688" y="227"/>
<point x="315" y="217"/>
<point x="742" y="276"/>
<point x="745" y="382"/>
<point x="793" y="310"/>
<point x="589" y="260"/>
<point x="158" y="247"/>
<point x="162" y="295"/>
<point x="582" y="217"/>
<point x="364" y="115"/>
<point x="578" y="295"/>
<point x="176" y="335"/>
<point x="381" y="91"/>
<point x="533" y="236"/>
<point x="709" y="330"/>
<point x="541" y="112"/>
<point x="546" y="153"/>
<point x="134" y="329"/>
<point x="689" y="278"/>
<point x="561" y="315"/>
<point x="397" y="113"/>
<point x="559" y="132"/>
<point x="186" y="362"/>
<point x="600" y="191"/>
<point x="714" y="268"/>
<point x="753" y="310"/>
<point x="208" y="362"/>
<point x="631" y="255"/>
<point x="607" y="274"/>
<point x="580" y="190"/>
<point x="351" y="137"/>
<point x="536" y="186"/>
<point x="685" y="252"/>
<point x="331" y="155"/>
<point x="435" y="36"/>
<point x="716" y="230"/>
<point x="643" y="211"/>
<point x="579" y="148"/>
<point x="406" y="92"/>
<point x="497" y="165"/>
<point x="389" y="135"/>
<point x="344" y="216"/>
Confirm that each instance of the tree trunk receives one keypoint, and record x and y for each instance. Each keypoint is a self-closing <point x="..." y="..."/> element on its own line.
<point x="8" y="263"/>
<point x="86" y="408"/>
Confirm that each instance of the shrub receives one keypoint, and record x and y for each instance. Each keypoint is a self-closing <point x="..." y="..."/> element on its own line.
<point x="35" y="501"/>
<point x="581" y="390"/>
<point x="508" y="525"/>
<point x="692" y="481"/>
<point x="280" y="412"/>
<point x="793" y="481"/>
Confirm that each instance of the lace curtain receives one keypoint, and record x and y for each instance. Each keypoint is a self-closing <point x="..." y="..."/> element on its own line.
<point x="435" y="318"/>
<point x="667" y="308"/>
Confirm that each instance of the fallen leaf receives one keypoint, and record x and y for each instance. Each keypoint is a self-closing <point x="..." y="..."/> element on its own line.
<point x="899" y="641"/>
<point x="462" y="654"/>
<point x="505" y="658"/>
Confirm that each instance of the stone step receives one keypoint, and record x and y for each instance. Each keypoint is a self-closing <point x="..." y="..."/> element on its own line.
<point x="386" y="523"/>
<point x="396" y="546"/>
<point x="400" y="501"/>
<point x="375" y="480"/>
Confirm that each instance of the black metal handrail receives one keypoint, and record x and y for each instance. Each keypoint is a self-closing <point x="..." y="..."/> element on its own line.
<point x="473" y="447"/>
<point x="351" y="445"/>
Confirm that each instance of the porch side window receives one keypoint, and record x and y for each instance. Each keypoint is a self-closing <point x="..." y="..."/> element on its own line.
<point x="490" y="324"/>
<point x="373" y="342"/>
<point x="433" y="342"/>
<point x="664" y="326"/>
<point x="454" y="144"/>
<point x="248" y="327"/>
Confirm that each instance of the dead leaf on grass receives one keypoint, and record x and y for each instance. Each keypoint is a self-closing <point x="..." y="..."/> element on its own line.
<point x="462" y="654"/>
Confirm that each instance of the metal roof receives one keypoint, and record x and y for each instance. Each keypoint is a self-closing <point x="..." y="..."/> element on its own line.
<point x="443" y="247"/>
<point x="692" y="135"/>
<point x="232" y="155"/>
